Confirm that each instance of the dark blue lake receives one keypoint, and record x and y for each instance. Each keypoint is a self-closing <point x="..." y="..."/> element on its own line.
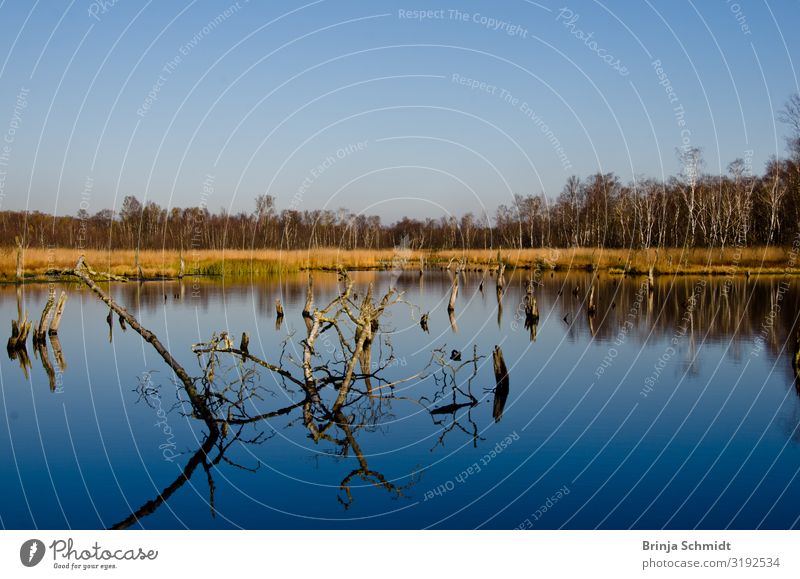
<point x="676" y="408"/>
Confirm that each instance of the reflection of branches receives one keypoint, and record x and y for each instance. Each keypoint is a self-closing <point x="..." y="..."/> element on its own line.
<point x="150" y="506"/>
<point x="501" y="388"/>
<point x="198" y="403"/>
<point x="447" y="382"/>
<point x="58" y="353"/>
<point x="21" y="354"/>
<point x="40" y="349"/>
<point x="363" y="471"/>
<point x="146" y="389"/>
<point x="335" y="390"/>
<point x="231" y="389"/>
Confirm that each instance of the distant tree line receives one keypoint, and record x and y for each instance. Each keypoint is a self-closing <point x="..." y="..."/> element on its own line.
<point x="693" y="209"/>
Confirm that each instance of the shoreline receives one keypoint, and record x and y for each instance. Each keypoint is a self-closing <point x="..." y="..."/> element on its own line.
<point x="47" y="265"/>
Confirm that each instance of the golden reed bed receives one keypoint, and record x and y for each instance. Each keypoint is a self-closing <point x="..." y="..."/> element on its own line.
<point x="157" y="263"/>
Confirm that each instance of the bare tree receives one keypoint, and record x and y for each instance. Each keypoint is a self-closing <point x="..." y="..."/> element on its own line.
<point x="692" y="161"/>
<point x="772" y="194"/>
<point x="790" y="115"/>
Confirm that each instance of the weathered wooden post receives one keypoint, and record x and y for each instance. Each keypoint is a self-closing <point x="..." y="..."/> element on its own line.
<point x="500" y="285"/>
<point x="451" y="306"/>
<point x="501" y="280"/>
<point x="307" y="308"/>
<point x="531" y="307"/>
<point x="19" y="333"/>
<point x="278" y="314"/>
<point x="592" y="309"/>
<point x="19" y="301"/>
<point x="40" y="332"/>
<point x="499" y="307"/>
<point x="62" y="300"/>
<point x="453" y="294"/>
<point x="501" y="384"/>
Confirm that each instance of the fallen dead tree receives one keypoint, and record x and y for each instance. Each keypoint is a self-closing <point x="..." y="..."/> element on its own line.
<point x="333" y="397"/>
<point x="95" y="275"/>
<point x="227" y="404"/>
<point x="85" y="274"/>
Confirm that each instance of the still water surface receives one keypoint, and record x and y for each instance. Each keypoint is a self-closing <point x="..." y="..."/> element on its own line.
<point x="659" y="411"/>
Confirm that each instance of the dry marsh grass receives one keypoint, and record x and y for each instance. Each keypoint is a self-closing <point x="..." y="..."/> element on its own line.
<point x="157" y="263"/>
<point x="663" y="261"/>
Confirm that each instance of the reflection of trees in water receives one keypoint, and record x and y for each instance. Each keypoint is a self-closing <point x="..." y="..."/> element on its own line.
<point x="739" y="317"/>
<point x="335" y="393"/>
<point x="337" y="396"/>
<point x="451" y="403"/>
<point x="334" y="396"/>
<point x="727" y="307"/>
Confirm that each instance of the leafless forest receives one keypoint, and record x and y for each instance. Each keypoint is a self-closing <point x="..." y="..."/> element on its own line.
<point x="696" y="208"/>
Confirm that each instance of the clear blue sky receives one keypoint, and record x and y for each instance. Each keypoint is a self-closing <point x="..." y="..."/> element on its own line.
<point x="275" y="97"/>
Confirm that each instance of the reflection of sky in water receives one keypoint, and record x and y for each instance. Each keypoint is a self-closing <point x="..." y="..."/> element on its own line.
<point x="714" y="442"/>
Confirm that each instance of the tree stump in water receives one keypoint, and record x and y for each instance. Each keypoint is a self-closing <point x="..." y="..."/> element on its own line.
<point x="531" y="307"/>
<point x="309" y="298"/>
<point x="453" y="294"/>
<point x="19" y="333"/>
<point x="501" y="384"/>
<point x="501" y="280"/>
<point x="40" y="332"/>
<point x="278" y="314"/>
<point x="54" y="325"/>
